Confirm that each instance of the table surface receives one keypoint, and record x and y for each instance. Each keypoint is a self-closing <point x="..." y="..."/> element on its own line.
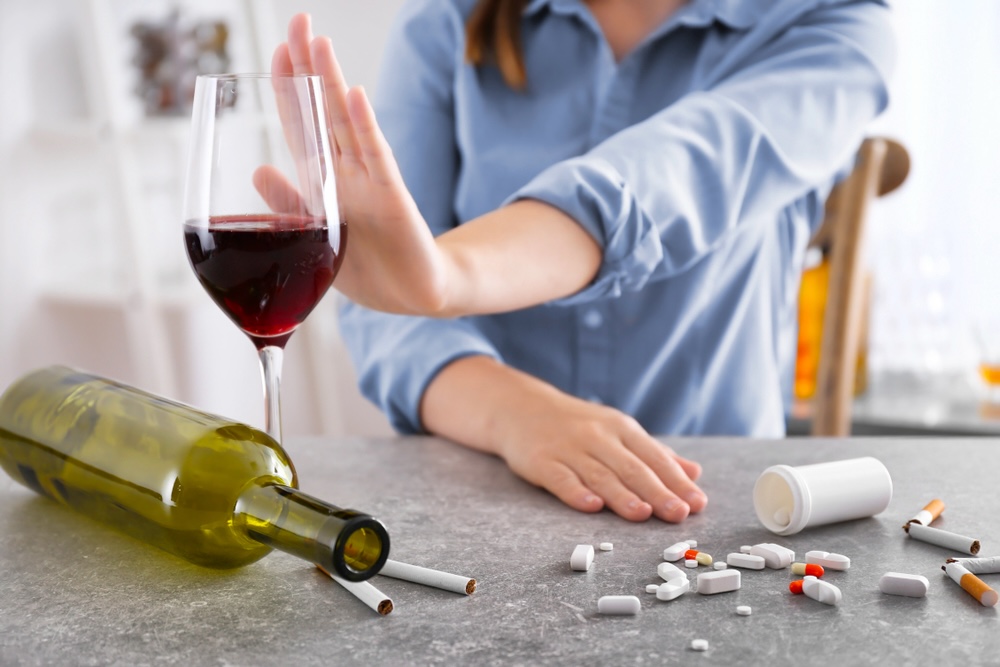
<point x="73" y="592"/>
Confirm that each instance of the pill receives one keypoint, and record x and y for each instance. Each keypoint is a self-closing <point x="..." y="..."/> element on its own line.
<point x="745" y="549"/>
<point x="821" y="591"/>
<point x="690" y="562"/>
<point x="907" y="585"/>
<point x="811" y="569"/>
<point x="781" y="517"/>
<point x="672" y="590"/>
<point x="618" y="605"/>
<point x="719" y="565"/>
<point x="606" y="546"/>
<point x="718" y="581"/>
<point x="829" y="561"/>
<point x="748" y="561"/>
<point x="676" y="551"/>
<point x="700" y="556"/>
<point x="582" y="558"/>
<point x="775" y="556"/>
<point x="699" y="644"/>
<point x="670" y="572"/>
<point x="795" y="587"/>
<point x="651" y="588"/>
<point x="744" y="610"/>
<point x="692" y="543"/>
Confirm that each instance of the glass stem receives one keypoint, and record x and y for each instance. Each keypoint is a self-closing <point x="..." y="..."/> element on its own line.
<point x="270" y="370"/>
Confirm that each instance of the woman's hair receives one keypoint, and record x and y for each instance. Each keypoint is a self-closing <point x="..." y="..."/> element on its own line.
<point x="493" y="35"/>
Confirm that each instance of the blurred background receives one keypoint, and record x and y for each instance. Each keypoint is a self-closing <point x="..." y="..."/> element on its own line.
<point x="93" y="138"/>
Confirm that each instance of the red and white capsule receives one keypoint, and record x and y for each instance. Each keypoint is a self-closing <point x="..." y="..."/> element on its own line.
<point x="700" y="556"/>
<point x="808" y="569"/>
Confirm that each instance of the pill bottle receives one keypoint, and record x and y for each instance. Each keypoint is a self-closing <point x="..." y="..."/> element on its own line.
<point x="788" y="499"/>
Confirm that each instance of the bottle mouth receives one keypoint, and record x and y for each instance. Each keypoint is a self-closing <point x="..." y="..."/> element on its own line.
<point x="781" y="501"/>
<point x="362" y="549"/>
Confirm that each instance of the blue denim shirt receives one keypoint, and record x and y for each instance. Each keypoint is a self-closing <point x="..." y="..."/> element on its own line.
<point x="700" y="163"/>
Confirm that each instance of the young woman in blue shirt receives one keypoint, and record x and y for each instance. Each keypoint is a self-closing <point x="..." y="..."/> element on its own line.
<point x="579" y="224"/>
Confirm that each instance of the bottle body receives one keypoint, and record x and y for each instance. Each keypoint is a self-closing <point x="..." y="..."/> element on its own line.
<point x="207" y="489"/>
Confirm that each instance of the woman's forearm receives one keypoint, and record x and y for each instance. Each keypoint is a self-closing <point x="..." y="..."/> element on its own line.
<point x="520" y="255"/>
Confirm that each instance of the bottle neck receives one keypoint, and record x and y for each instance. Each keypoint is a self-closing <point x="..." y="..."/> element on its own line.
<point x="344" y="541"/>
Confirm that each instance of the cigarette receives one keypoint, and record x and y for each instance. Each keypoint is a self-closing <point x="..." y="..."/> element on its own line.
<point x="429" y="577"/>
<point x="979" y="565"/>
<point x="943" y="538"/>
<point x="928" y="514"/>
<point x="364" y="591"/>
<point x="971" y="584"/>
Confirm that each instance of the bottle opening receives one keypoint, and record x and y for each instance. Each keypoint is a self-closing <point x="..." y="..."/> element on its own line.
<point x="362" y="549"/>
<point x="776" y="501"/>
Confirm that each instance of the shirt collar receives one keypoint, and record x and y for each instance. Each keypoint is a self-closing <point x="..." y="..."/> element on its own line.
<point x="739" y="14"/>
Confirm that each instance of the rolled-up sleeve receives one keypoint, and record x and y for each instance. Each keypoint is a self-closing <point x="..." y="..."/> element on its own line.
<point x="774" y="120"/>
<point x="396" y="356"/>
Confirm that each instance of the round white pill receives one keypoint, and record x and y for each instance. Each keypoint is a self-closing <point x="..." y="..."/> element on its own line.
<point x="692" y="543"/>
<point x="690" y="562"/>
<point x="745" y="549"/>
<point x="619" y="605"/>
<point x="607" y="546"/>
<point x="651" y="588"/>
<point x="719" y="565"/>
<point x="699" y="644"/>
<point x="743" y="610"/>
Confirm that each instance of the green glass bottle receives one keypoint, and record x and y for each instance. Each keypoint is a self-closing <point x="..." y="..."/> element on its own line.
<point x="213" y="491"/>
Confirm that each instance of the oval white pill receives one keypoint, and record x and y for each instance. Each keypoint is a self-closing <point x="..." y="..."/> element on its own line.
<point x="582" y="558"/>
<point x="907" y="585"/>
<point x="670" y="572"/>
<point x="748" y="561"/>
<point x="699" y="644"/>
<point x="690" y="562"/>
<point x="718" y="581"/>
<point x="744" y="610"/>
<point x="619" y="605"/>
<point x="829" y="560"/>
<point x="675" y="552"/>
<point x="775" y="556"/>
<point x="673" y="589"/>
<point x="821" y="591"/>
<point x="607" y="546"/>
<point x="651" y="588"/>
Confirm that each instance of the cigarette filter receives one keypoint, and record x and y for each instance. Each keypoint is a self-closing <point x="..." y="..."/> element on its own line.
<point x="972" y="584"/>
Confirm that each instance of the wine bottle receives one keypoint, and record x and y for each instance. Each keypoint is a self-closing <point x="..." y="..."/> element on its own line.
<point x="215" y="492"/>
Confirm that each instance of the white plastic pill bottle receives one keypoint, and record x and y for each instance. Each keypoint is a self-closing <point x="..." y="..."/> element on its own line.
<point x="788" y="499"/>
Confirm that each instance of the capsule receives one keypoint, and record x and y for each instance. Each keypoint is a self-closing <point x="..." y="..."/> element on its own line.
<point x="700" y="556"/>
<point x="796" y="587"/>
<point x="809" y="569"/>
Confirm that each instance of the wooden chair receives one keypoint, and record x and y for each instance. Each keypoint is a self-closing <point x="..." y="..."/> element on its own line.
<point x="882" y="165"/>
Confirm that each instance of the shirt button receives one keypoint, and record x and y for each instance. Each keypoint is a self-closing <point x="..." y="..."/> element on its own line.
<point x="592" y="319"/>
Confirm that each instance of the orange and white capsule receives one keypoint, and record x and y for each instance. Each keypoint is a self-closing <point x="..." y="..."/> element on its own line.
<point x="808" y="569"/>
<point x="929" y="513"/>
<point x="971" y="584"/>
<point x="700" y="556"/>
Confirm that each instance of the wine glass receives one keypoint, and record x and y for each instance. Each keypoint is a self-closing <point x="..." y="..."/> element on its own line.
<point x="260" y="190"/>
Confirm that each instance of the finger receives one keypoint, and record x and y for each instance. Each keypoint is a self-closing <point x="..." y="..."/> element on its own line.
<point x="663" y="463"/>
<point x="607" y="484"/>
<point x="335" y="85"/>
<point x="299" y="38"/>
<point x="281" y="61"/>
<point x="277" y="191"/>
<point x="565" y="485"/>
<point x="634" y="474"/>
<point x="375" y="151"/>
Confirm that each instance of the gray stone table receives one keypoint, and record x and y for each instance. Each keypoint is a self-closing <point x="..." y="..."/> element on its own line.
<point x="75" y="593"/>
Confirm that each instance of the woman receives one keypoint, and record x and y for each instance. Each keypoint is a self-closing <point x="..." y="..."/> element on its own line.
<point x="593" y="225"/>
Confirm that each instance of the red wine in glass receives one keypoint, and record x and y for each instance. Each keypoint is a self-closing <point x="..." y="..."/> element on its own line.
<point x="267" y="272"/>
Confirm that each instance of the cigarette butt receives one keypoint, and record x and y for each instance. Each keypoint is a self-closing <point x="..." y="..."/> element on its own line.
<point x="943" y="538"/>
<point x="364" y="591"/>
<point x="428" y="577"/>
<point x="972" y="584"/>
<point x="928" y="514"/>
<point x="989" y="565"/>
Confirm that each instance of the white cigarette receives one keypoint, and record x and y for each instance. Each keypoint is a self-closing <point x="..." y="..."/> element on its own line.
<point x="429" y="577"/>
<point x="364" y="591"/>
<point x="943" y="538"/>
<point x="979" y="565"/>
<point x="929" y="513"/>
<point x="972" y="584"/>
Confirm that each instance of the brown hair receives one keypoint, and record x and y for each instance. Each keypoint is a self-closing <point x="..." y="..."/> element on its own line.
<point x="493" y="35"/>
